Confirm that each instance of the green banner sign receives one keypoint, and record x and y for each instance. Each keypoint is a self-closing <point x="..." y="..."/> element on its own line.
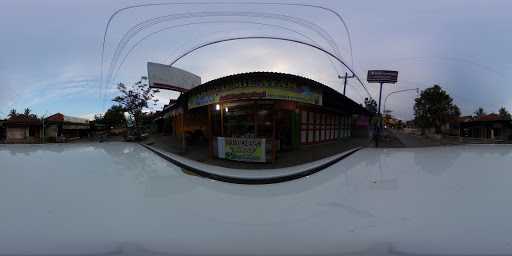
<point x="241" y="149"/>
<point x="302" y="94"/>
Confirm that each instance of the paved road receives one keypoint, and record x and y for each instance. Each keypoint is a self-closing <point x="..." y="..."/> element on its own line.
<point x="412" y="141"/>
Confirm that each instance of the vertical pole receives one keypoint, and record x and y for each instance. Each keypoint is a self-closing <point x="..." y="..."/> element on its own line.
<point x="274" y="142"/>
<point x="221" y="120"/>
<point x="42" y="138"/>
<point x="345" y="83"/>
<point x="183" y="139"/>
<point x="379" y="125"/>
<point x="255" y="118"/>
<point x="210" y="132"/>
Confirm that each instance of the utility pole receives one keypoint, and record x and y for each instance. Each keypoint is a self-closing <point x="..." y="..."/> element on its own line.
<point x="379" y="126"/>
<point x="381" y="77"/>
<point x="345" y="81"/>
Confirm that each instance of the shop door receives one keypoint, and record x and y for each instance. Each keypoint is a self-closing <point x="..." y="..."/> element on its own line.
<point x="284" y="131"/>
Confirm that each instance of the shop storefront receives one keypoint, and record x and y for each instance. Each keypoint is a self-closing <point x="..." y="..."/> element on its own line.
<point x="252" y="117"/>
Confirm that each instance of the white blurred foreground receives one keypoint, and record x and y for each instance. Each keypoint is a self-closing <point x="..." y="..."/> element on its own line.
<point x="120" y="198"/>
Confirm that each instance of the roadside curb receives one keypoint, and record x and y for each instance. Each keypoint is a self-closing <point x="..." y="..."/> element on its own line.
<point x="239" y="176"/>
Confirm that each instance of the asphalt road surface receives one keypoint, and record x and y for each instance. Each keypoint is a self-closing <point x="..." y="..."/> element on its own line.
<point x="413" y="141"/>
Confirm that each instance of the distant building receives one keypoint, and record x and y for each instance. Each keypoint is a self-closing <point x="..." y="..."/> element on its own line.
<point x="61" y="128"/>
<point x="410" y="124"/>
<point x="490" y="128"/>
<point x="392" y="122"/>
<point x="2" y="130"/>
<point x="23" y="129"/>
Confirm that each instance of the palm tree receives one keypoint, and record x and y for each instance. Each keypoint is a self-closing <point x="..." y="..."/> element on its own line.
<point x="13" y="113"/>
<point x="504" y="114"/>
<point x="27" y="112"/>
<point x="480" y="112"/>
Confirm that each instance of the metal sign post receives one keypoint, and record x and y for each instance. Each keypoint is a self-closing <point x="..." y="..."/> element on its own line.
<point x="381" y="76"/>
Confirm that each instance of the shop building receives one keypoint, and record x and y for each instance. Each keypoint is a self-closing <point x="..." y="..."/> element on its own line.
<point x="61" y="128"/>
<point x="2" y="130"/>
<point x="488" y="128"/>
<point x="255" y="116"/>
<point x="22" y="129"/>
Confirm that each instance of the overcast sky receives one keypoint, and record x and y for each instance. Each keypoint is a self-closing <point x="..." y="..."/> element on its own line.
<point x="50" y="50"/>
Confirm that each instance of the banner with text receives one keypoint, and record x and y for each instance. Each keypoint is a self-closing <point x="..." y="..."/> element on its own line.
<point x="241" y="149"/>
<point x="291" y="92"/>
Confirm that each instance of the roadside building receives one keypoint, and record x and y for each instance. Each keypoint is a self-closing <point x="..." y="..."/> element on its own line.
<point x="488" y="128"/>
<point x="410" y="124"/>
<point x="162" y="118"/>
<point x="2" y="130"/>
<point x="23" y="129"/>
<point x="392" y="122"/>
<point x="62" y="128"/>
<point x="97" y="129"/>
<point x="253" y="116"/>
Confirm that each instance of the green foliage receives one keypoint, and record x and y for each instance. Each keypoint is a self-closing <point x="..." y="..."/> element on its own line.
<point x="114" y="117"/>
<point x="135" y="98"/>
<point x="13" y="113"/>
<point x="370" y="105"/>
<point x="504" y="114"/>
<point x="27" y="113"/>
<point x="480" y="112"/>
<point x="434" y="108"/>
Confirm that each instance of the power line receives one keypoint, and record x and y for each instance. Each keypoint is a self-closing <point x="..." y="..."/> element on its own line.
<point x="118" y="11"/>
<point x="211" y="22"/>
<point x="272" y="38"/>
<point x="141" y="26"/>
<point x="147" y="23"/>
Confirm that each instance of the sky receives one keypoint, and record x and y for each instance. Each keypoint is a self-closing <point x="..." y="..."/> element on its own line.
<point x="50" y="51"/>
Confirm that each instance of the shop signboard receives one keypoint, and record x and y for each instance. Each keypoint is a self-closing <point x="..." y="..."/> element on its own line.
<point x="170" y="78"/>
<point x="241" y="149"/>
<point x="297" y="93"/>
<point x="382" y="76"/>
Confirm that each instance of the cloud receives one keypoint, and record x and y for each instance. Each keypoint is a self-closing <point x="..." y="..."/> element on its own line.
<point x="89" y="116"/>
<point x="53" y="61"/>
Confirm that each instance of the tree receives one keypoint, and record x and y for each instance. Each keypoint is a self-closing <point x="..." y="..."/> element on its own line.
<point x="434" y="108"/>
<point x="98" y="118"/>
<point x="114" y="117"/>
<point x="454" y="111"/>
<point x="504" y="114"/>
<point x="134" y="99"/>
<point x="370" y="105"/>
<point x="479" y="112"/>
<point x="27" y="112"/>
<point x="13" y="113"/>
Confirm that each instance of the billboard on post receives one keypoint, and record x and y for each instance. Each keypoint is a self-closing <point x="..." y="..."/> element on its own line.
<point x="170" y="78"/>
<point x="382" y="76"/>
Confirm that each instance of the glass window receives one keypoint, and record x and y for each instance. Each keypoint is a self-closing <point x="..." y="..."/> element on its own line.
<point x="239" y="121"/>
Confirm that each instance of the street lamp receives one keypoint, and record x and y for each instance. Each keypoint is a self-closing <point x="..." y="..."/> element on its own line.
<point x="399" y="91"/>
